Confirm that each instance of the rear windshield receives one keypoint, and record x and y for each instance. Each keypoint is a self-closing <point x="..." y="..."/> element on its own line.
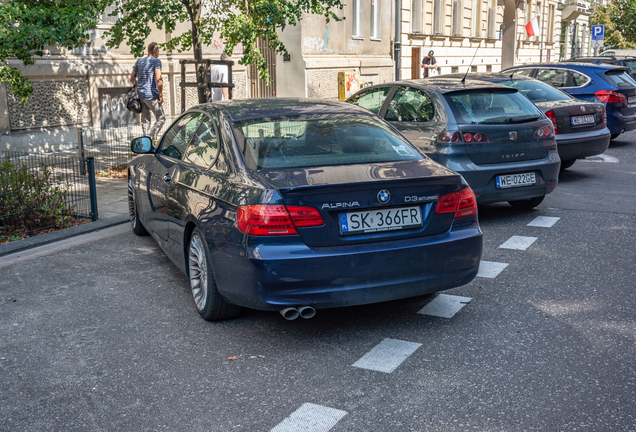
<point x="492" y="107"/>
<point x="537" y="91"/>
<point x="619" y="78"/>
<point x="319" y="140"/>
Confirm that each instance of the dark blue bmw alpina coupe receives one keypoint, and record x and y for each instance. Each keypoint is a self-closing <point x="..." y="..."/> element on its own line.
<point x="295" y="205"/>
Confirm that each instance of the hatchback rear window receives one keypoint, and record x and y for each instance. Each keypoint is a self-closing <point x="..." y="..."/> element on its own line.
<point x="537" y="91"/>
<point x="618" y="78"/>
<point x="319" y="140"/>
<point x="492" y="106"/>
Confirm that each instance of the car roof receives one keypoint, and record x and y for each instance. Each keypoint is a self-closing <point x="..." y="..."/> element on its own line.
<point x="446" y="85"/>
<point x="493" y="76"/>
<point x="568" y="65"/>
<point x="244" y="109"/>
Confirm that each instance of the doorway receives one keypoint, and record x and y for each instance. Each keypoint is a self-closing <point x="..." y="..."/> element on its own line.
<point x="415" y="63"/>
<point x="259" y="87"/>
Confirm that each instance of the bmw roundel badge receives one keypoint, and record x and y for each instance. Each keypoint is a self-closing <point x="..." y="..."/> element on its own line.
<point x="384" y="196"/>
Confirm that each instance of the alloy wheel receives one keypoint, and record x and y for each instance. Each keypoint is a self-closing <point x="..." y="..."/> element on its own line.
<point x="198" y="266"/>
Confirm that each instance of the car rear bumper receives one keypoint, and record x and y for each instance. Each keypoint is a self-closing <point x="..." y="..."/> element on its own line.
<point x="583" y="144"/>
<point x="619" y="123"/>
<point x="272" y="274"/>
<point x="482" y="178"/>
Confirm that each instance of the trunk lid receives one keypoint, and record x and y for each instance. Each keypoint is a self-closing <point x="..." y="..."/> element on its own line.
<point x="338" y="190"/>
<point x="566" y="110"/>
<point x="507" y="142"/>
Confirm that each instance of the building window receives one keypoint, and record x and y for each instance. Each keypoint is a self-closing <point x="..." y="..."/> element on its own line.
<point x="551" y="23"/>
<point x="109" y="20"/>
<point x="458" y="18"/>
<point x="438" y="16"/>
<point x="375" y="19"/>
<point x="357" y="21"/>
<point x="416" y="17"/>
<point x="476" y="24"/>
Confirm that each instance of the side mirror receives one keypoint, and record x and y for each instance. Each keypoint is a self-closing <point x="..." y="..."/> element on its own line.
<point x="142" y="145"/>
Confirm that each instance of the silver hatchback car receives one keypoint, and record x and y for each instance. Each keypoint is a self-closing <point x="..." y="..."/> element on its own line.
<point x="499" y="141"/>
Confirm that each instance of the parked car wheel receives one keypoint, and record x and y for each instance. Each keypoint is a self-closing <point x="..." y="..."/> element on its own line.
<point x="133" y="212"/>
<point x="527" y="204"/>
<point x="565" y="164"/>
<point x="614" y="136"/>
<point x="210" y="305"/>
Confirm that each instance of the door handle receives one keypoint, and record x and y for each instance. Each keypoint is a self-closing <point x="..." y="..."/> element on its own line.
<point x="166" y="178"/>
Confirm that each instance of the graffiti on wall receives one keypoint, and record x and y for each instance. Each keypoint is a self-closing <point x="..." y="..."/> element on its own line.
<point x="353" y="46"/>
<point x="317" y="44"/>
<point x="112" y="107"/>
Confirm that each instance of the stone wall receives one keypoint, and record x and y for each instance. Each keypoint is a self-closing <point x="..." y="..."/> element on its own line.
<point x="323" y="83"/>
<point x="53" y="103"/>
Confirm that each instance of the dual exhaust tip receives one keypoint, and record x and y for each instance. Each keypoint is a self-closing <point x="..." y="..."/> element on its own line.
<point x="291" y="313"/>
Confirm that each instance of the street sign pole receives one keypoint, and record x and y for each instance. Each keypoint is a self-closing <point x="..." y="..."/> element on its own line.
<point x="598" y="37"/>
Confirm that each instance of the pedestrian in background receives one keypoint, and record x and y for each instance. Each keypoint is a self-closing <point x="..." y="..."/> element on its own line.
<point x="147" y="71"/>
<point x="429" y="63"/>
<point x="219" y="74"/>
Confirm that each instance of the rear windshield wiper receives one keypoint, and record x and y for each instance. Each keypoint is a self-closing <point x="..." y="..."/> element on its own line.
<point x="522" y="119"/>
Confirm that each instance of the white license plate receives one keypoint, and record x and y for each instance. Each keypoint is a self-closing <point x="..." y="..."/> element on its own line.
<point x="582" y="120"/>
<point x="379" y="220"/>
<point x="515" y="180"/>
<point x="631" y="100"/>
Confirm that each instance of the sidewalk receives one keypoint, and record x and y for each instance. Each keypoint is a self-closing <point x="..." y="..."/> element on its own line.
<point x="112" y="209"/>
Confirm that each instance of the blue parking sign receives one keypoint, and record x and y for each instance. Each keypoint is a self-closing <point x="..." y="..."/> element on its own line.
<point x="598" y="32"/>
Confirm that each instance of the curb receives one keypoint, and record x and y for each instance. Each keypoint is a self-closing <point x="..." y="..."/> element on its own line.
<point x="43" y="239"/>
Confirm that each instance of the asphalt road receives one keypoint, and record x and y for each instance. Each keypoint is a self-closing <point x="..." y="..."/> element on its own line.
<point x="103" y="336"/>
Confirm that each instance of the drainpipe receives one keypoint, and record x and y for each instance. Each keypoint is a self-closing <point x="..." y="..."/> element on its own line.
<point x="397" y="44"/>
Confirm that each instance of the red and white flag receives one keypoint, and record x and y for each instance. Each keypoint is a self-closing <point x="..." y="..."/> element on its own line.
<point x="533" y="27"/>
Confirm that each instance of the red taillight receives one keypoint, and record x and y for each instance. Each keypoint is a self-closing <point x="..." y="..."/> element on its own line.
<point x="447" y="137"/>
<point x="550" y="114"/>
<point x="462" y="203"/>
<point x="276" y="219"/>
<point x="543" y="132"/>
<point x="604" y="117"/>
<point x="610" y="96"/>
<point x="305" y="216"/>
<point x="475" y="137"/>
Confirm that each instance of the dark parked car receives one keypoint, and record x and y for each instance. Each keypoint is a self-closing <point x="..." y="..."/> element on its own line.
<point x="608" y="84"/>
<point x="628" y="62"/>
<point x="580" y="127"/>
<point x="295" y="205"/>
<point x="498" y="140"/>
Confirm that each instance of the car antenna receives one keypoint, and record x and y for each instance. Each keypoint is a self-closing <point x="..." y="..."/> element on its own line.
<point x="471" y="63"/>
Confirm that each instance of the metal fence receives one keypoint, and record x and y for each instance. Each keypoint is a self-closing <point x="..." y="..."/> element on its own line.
<point x="40" y="193"/>
<point x="111" y="146"/>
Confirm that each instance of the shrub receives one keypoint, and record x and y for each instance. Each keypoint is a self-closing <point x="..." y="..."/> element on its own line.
<point x="31" y="199"/>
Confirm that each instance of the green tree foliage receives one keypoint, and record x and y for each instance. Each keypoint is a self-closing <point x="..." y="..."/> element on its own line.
<point x="619" y="19"/>
<point x="27" y="27"/>
<point x="238" y="22"/>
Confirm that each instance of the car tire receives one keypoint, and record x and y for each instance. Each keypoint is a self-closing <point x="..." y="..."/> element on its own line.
<point x="527" y="204"/>
<point x="207" y="299"/>
<point x="133" y="212"/>
<point x="614" y="136"/>
<point x="565" y="164"/>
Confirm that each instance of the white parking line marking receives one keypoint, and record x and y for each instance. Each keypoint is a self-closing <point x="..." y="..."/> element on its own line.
<point x="544" y="221"/>
<point x="387" y="355"/>
<point x="601" y="158"/>
<point x="518" y="242"/>
<point x="445" y="305"/>
<point x="490" y="269"/>
<point x="310" y="418"/>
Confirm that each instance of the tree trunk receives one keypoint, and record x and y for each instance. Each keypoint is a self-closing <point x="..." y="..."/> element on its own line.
<point x="195" y="15"/>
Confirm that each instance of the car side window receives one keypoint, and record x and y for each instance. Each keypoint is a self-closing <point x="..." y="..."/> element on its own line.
<point x="204" y="146"/>
<point x="410" y="105"/>
<point x="578" y="79"/>
<point x="176" y="140"/>
<point x="525" y="72"/>
<point x="554" y="77"/>
<point x="372" y="100"/>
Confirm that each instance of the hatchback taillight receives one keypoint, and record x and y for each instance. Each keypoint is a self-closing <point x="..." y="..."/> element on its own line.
<point x="276" y="219"/>
<point x="543" y="132"/>
<point x="479" y="137"/>
<point x="610" y="96"/>
<point x="550" y="114"/>
<point x="449" y="137"/>
<point x="462" y="203"/>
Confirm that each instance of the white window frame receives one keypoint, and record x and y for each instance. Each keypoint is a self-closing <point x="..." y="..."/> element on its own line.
<point x="357" y="22"/>
<point x="375" y="20"/>
<point x="417" y="15"/>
